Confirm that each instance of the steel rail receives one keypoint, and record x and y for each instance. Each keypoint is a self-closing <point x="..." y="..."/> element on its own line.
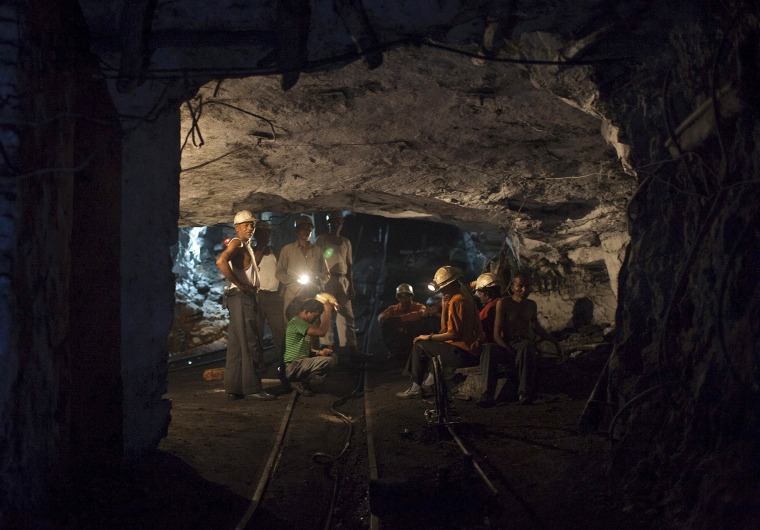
<point x="477" y="467"/>
<point x="274" y="458"/>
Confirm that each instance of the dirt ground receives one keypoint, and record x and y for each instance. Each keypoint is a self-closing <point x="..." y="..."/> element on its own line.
<point x="207" y="470"/>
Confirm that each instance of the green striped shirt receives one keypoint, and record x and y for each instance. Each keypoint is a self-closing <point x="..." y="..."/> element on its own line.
<point x="297" y="342"/>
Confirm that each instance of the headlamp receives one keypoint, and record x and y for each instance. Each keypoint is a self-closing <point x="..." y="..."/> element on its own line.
<point x="303" y="279"/>
<point x="433" y="286"/>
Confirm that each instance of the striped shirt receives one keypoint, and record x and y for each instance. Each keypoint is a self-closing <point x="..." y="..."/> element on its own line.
<point x="297" y="342"/>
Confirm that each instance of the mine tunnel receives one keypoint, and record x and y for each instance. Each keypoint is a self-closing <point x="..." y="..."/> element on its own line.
<point x="606" y="151"/>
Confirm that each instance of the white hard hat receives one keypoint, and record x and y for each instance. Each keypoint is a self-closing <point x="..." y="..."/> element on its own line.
<point x="243" y="216"/>
<point x="443" y="277"/>
<point x="487" y="279"/>
<point x="404" y="288"/>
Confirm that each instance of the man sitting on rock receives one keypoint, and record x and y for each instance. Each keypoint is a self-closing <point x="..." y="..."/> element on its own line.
<point x="303" y="371"/>
<point x="458" y="343"/>
<point x="516" y="331"/>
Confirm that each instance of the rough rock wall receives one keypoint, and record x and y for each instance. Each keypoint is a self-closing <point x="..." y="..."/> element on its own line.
<point x="9" y="358"/>
<point x="685" y="368"/>
<point x="60" y="399"/>
<point x="679" y="104"/>
<point x="148" y="230"/>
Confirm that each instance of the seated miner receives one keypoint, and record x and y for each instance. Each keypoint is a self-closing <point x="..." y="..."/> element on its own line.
<point x="403" y="321"/>
<point x="488" y="290"/>
<point x="517" y="329"/>
<point x="458" y="343"/>
<point x="303" y="370"/>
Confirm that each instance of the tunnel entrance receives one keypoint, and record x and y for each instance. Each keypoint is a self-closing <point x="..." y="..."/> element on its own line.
<point x="386" y="252"/>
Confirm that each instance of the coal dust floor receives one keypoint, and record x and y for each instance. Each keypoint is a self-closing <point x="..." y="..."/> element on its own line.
<point x="209" y="467"/>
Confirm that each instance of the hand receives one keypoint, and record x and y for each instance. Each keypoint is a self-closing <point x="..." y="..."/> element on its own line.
<point x="420" y="337"/>
<point x="325" y="352"/>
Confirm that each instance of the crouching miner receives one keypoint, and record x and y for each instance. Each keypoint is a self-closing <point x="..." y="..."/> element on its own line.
<point x="245" y="357"/>
<point x="302" y="370"/>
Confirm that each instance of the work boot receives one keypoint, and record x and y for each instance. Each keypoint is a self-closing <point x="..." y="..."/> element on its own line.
<point x="302" y="389"/>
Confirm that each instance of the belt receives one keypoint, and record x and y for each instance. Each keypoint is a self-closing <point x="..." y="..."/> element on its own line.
<point x="230" y="288"/>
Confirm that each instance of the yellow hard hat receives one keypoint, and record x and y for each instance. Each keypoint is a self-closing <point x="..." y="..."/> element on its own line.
<point x="404" y="288"/>
<point x="327" y="298"/>
<point x="487" y="279"/>
<point x="443" y="277"/>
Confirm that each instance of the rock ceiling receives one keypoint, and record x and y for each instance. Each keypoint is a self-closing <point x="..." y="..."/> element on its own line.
<point x="427" y="134"/>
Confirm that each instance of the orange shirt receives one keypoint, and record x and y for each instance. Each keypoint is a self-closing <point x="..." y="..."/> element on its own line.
<point x="414" y="312"/>
<point x="462" y="319"/>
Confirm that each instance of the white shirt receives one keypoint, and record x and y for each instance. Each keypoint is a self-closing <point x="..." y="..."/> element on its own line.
<point x="267" y="268"/>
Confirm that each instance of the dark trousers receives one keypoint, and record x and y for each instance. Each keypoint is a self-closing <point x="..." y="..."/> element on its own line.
<point x="521" y="359"/>
<point x="245" y="358"/>
<point x="424" y="350"/>
<point x="398" y="336"/>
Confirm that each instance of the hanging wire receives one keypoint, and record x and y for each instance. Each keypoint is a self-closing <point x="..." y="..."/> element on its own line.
<point x="317" y="64"/>
<point x="248" y="112"/>
<point x="194" y="117"/>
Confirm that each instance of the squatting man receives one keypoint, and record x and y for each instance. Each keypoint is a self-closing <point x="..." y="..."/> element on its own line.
<point x="303" y="371"/>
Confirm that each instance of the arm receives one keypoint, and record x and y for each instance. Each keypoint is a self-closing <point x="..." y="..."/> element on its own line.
<point x="281" y="273"/>
<point x="498" y="332"/>
<point x="320" y="330"/>
<point x="350" y="271"/>
<point x="444" y="311"/>
<point x="223" y="263"/>
<point x="449" y="328"/>
<point x="323" y="275"/>
<point x="385" y="315"/>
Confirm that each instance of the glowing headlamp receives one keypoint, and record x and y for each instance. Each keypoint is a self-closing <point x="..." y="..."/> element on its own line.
<point x="433" y="286"/>
<point x="303" y="279"/>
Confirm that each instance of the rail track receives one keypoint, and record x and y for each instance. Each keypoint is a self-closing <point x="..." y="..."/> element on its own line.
<point x="351" y="481"/>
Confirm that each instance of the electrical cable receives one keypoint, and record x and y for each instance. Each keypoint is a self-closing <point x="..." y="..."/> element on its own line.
<point x="193" y="125"/>
<point x="234" y="107"/>
<point x="314" y="65"/>
<point x="325" y="459"/>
